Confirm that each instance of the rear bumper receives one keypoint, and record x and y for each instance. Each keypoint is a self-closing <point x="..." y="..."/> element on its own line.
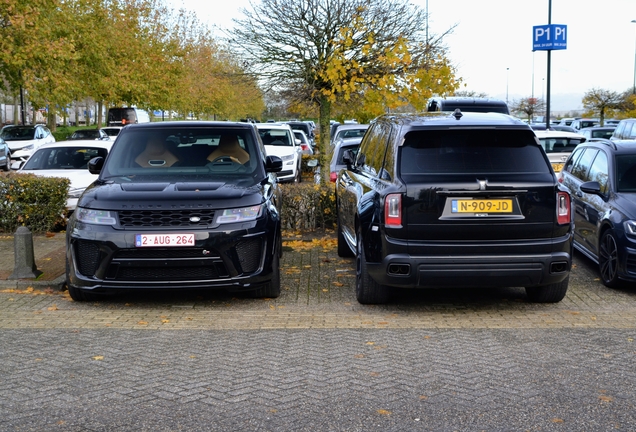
<point x="522" y="266"/>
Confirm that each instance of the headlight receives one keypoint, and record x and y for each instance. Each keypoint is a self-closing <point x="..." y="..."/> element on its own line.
<point x="29" y="147"/>
<point x="630" y="227"/>
<point x="244" y="214"/>
<point x="288" y="157"/>
<point x="96" y="217"/>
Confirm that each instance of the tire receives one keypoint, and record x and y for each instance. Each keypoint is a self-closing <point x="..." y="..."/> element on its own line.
<point x="552" y="293"/>
<point x="608" y="260"/>
<point x="368" y="291"/>
<point x="7" y="166"/>
<point x="344" y="250"/>
<point x="272" y="288"/>
<point x="77" y="294"/>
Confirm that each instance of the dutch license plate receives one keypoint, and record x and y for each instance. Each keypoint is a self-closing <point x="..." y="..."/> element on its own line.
<point x="481" y="206"/>
<point x="158" y="240"/>
<point x="557" y="167"/>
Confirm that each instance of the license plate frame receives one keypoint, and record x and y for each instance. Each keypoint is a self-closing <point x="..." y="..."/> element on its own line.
<point x="164" y="240"/>
<point x="468" y="206"/>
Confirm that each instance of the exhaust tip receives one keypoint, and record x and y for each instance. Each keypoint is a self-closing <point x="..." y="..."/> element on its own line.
<point x="558" y="267"/>
<point x="399" y="269"/>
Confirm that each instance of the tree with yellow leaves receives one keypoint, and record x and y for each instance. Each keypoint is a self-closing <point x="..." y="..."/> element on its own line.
<point x="371" y="54"/>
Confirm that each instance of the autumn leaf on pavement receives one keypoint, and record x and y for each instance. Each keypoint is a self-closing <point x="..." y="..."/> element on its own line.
<point x="143" y="323"/>
<point x="52" y="308"/>
<point x="384" y="412"/>
<point x="338" y="284"/>
<point x="99" y="357"/>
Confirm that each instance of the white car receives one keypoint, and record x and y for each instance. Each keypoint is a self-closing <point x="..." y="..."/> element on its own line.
<point x="67" y="159"/>
<point x="279" y="140"/>
<point x="24" y="140"/>
<point x="558" y="145"/>
<point x="112" y="131"/>
<point x="305" y="144"/>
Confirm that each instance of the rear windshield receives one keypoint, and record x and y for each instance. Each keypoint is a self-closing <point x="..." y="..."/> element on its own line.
<point x="185" y="154"/>
<point x="559" y="144"/>
<point x="471" y="152"/>
<point x="275" y="137"/>
<point x="119" y="114"/>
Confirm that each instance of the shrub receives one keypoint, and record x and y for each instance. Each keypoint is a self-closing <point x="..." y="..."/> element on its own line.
<point x="308" y="206"/>
<point x="39" y="203"/>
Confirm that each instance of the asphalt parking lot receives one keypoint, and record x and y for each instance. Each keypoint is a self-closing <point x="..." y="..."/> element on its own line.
<point x="316" y="360"/>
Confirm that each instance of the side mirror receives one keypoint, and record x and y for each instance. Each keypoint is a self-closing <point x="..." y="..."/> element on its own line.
<point x="273" y="164"/>
<point x="349" y="158"/>
<point x="591" y="187"/>
<point x="95" y="165"/>
<point x="312" y="163"/>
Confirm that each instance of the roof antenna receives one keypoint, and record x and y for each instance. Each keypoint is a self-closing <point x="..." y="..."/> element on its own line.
<point x="457" y="114"/>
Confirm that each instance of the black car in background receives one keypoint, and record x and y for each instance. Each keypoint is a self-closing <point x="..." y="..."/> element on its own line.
<point x="178" y="205"/>
<point x="601" y="177"/>
<point x="453" y="200"/>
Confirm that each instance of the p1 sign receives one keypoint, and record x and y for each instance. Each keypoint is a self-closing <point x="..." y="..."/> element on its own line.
<point x="549" y="37"/>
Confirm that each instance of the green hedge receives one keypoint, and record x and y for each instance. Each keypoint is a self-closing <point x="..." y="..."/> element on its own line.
<point x="39" y="203"/>
<point x="307" y="206"/>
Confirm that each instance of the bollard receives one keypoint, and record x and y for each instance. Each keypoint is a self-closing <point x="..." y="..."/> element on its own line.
<point x="24" y="267"/>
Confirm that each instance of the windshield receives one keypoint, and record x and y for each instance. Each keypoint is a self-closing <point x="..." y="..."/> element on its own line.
<point x="15" y="133"/>
<point x="185" y="154"/>
<point x="55" y="158"/>
<point x="275" y="137"/>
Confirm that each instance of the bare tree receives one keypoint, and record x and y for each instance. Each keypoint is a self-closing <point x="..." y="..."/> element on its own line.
<point x="528" y="106"/>
<point x="323" y="51"/>
<point x="602" y="102"/>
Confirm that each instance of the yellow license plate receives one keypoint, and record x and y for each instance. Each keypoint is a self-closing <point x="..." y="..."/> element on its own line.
<point x="481" y="206"/>
<point x="557" y="167"/>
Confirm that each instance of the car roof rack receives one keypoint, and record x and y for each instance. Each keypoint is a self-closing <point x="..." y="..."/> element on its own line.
<point x="605" y="141"/>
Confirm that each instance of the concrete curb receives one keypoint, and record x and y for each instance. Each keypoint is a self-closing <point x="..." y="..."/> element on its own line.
<point x="56" y="284"/>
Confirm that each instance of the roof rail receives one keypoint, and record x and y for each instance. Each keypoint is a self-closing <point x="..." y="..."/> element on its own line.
<point x="605" y="141"/>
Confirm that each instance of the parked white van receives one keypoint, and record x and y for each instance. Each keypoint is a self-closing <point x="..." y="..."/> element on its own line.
<point x="125" y="116"/>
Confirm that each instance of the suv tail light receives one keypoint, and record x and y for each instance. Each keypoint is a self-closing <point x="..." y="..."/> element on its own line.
<point x="333" y="176"/>
<point x="393" y="211"/>
<point x="563" y="208"/>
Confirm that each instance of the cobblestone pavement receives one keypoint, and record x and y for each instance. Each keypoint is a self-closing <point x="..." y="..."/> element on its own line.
<point x="316" y="360"/>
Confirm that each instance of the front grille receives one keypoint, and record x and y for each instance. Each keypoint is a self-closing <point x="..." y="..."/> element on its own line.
<point x="189" y="218"/>
<point x="249" y="254"/>
<point x="166" y="264"/>
<point x="87" y="256"/>
<point x="167" y="273"/>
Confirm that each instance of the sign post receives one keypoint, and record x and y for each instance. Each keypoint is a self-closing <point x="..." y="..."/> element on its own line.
<point x="547" y="38"/>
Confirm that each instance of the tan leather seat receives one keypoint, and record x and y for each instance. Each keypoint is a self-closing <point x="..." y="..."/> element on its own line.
<point x="229" y="146"/>
<point x="156" y="154"/>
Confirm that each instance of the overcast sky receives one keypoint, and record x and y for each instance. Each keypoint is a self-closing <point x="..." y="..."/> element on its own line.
<point x="491" y="45"/>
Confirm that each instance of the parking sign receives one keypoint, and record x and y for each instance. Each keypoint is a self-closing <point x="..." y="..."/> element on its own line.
<point x="549" y="37"/>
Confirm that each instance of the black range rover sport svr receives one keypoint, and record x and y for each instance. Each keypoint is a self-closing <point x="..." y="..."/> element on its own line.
<point x="453" y="199"/>
<point x="179" y="205"/>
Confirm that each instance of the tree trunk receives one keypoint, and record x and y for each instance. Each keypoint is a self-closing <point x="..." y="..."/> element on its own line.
<point x="324" y="137"/>
<point x="100" y="119"/>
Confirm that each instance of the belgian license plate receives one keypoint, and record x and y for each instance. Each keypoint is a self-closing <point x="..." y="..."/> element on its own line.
<point x="158" y="240"/>
<point x="557" y="167"/>
<point x="481" y="206"/>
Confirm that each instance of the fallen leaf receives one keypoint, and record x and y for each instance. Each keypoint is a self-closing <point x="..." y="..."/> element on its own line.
<point x="325" y="290"/>
<point x="423" y="397"/>
<point x="370" y="343"/>
<point x="49" y="234"/>
<point x="383" y="323"/>
<point x="606" y="398"/>
<point x="557" y="420"/>
<point x="98" y="358"/>
<point x="338" y="284"/>
<point x="143" y="323"/>
<point x="384" y="412"/>
<point x="427" y="337"/>
<point x="52" y="308"/>
<point x="358" y="356"/>
<point x="165" y="321"/>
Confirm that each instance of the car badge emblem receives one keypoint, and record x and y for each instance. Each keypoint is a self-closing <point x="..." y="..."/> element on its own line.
<point x="206" y="252"/>
<point x="482" y="184"/>
<point x="195" y="219"/>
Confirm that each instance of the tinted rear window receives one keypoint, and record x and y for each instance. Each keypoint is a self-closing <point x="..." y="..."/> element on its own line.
<point x="119" y="114"/>
<point x="471" y="151"/>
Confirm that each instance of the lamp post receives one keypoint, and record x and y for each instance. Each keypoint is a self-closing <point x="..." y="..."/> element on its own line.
<point x="634" y="87"/>
<point x="507" y="79"/>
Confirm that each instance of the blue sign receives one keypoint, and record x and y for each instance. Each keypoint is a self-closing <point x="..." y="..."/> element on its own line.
<point x="549" y="37"/>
